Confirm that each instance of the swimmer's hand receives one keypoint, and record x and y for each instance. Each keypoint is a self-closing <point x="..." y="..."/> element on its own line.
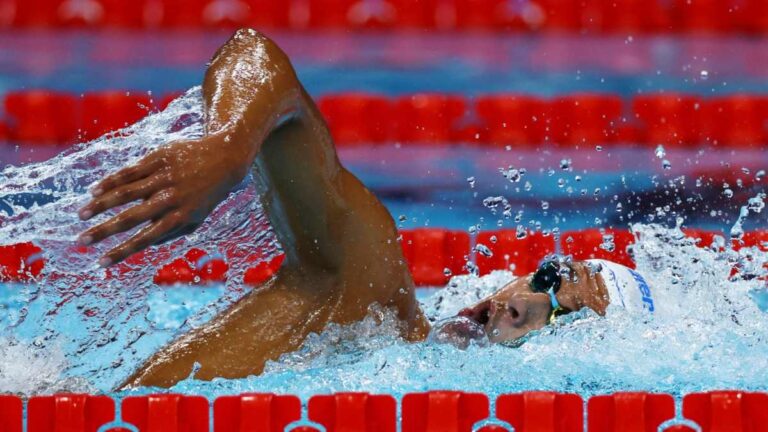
<point x="178" y="186"/>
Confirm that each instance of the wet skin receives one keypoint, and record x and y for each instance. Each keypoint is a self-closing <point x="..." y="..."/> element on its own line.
<point x="341" y="244"/>
<point x="516" y="309"/>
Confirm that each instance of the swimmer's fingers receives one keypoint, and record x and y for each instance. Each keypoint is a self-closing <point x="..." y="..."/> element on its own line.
<point x="143" y="239"/>
<point x="156" y="206"/>
<point x="143" y="169"/>
<point x="120" y="195"/>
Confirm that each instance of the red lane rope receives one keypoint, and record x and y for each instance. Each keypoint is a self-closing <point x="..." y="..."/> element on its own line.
<point x="677" y="120"/>
<point x="571" y="16"/>
<point x="435" y="411"/>
<point x="433" y="255"/>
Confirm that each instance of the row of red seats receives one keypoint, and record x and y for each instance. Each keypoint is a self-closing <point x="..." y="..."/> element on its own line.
<point x="513" y="119"/>
<point x="49" y="117"/>
<point x="433" y="255"/>
<point x="610" y="16"/>
<point x="436" y="411"/>
<point x="676" y="120"/>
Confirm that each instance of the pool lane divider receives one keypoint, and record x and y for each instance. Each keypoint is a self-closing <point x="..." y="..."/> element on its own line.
<point x="433" y="255"/>
<point x="712" y="17"/>
<point x="676" y="120"/>
<point x="434" y="411"/>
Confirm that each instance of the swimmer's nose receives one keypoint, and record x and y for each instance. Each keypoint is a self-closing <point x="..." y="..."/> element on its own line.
<point x="517" y="308"/>
<point x="479" y="313"/>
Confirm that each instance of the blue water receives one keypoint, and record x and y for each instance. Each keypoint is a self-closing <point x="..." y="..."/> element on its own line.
<point x="86" y="331"/>
<point x="80" y="329"/>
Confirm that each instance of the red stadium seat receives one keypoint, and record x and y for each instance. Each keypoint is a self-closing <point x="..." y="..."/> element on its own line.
<point x="669" y="119"/>
<point x="255" y="412"/>
<point x="357" y="118"/>
<point x="167" y="99"/>
<point x="224" y="13"/>
<point x="632" y="16"/>
<point x="561" y="16"/>
<point x="332" y="14"/>
<point x="585" y="119"/>
<point x="704" y="16"/>
<point x="588" y="244"/>
<point x="758" y="239"/>
<point x="738" y="120"/>
<point x="443" y="411"/>
<point x="10" y="414"/>
<point x="631" y="411"/>
<point x="754" y="16"/>
<point x="429" y="118"/>
<point x="481" y="14"/>
<point x="703" y="238"/>
<point x="75" y="412"/>
<point x="109" y="111"/>
<point x="270" y="13"/>
<point x="175" y="272"/>
<point x="513" y="119"/>
<point x="525" y="254"/>
<point x="41" y="116"/>
<point x="182" y="13"/>
<point x="166" y="412"/>
<point x="727" y="410"/>
<point x="39" y="13"/>
<point x="430" y="252"/>
<point x="22" y="262"/>
<point x="127" y="14"/>
<point x="354" y="412"/>
<point x="411" y="14"/>
<point x="263" y="271"/>
<point x="542" y="411"/>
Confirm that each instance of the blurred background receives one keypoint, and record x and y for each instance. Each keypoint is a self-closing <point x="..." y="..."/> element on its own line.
<point x="543" y="115"/>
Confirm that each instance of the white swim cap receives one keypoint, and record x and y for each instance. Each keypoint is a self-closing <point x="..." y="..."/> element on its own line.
<point x="626" y="287"/>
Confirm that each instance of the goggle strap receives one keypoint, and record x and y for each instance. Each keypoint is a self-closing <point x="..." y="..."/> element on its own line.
<point x="552" y="299"/>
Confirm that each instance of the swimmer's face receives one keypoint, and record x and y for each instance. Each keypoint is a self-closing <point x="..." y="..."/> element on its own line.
<point x="516" y="309"/>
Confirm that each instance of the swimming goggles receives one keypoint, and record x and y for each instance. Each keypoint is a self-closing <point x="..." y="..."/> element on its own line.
<point x="547" y="279"/>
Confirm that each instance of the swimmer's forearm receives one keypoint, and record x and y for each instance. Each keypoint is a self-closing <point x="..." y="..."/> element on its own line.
<point x="250" y="88"/>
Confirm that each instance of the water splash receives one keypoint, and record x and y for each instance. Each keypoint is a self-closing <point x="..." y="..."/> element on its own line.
<point x="82" y="321"/>
<point x="713" y="335"/>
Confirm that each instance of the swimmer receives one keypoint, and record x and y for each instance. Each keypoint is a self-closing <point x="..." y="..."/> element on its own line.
<point x="341" y="244"/>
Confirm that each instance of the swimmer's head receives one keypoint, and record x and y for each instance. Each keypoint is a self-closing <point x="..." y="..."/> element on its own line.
<point x="529" y="303"/>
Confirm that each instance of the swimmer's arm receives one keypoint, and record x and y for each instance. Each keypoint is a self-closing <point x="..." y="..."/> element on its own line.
<point x="250" y="90"/>
<point x="257" y="115"/>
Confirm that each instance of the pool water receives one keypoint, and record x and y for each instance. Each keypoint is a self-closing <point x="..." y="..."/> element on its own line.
<point x="85" y="329"/>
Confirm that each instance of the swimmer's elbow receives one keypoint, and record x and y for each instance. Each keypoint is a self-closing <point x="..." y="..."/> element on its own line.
<point x="253" y="46"/>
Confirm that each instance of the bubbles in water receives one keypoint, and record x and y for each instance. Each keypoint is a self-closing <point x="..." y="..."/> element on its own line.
<point x="460" y="332"/>
<point x="660" y="152"/>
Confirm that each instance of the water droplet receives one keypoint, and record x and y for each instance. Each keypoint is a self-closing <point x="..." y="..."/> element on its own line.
<point x="544" y="205"/>
<point x="704" y="74"/>
<point x="471" y="181"/>
<point x="666" y="164"/>
<point x="483" y="250"/>
<point x="660" y="152"/>
<point x="565" y="164"/>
